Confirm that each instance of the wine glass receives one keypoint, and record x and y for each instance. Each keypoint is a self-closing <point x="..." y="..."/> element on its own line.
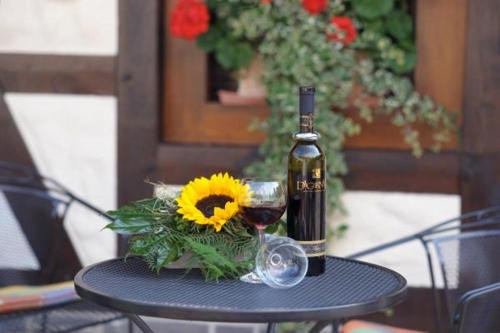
<point x="281" y="262"/>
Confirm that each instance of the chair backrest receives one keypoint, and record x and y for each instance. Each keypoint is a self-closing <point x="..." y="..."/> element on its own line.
<point x="470" y="262"/>
<point x="484" y="219"/>
<point x="34" y="247"/>
<point x="476" y="220"/>
<point x="477" y="311"/>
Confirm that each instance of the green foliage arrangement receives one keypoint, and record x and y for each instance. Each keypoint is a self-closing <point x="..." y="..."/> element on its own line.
<point x="356" y="52"/>
<point x="161" y="235"/>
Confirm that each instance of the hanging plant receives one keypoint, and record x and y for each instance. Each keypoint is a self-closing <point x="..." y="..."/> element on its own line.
<point x="357" y="53"/>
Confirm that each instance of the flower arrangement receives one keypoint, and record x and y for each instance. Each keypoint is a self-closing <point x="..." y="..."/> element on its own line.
<point x="201" y="223"/>
<point x="356" y="52"/>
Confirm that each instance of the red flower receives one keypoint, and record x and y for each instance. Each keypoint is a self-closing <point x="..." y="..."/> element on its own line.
<point x="264" y="2"/>
<point x="346" y="32"/>
<point x="189" y="19"/>
<point x="314" y="7"/>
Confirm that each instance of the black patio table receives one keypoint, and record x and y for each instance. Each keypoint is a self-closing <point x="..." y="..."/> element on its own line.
<point x="348" y="288"/>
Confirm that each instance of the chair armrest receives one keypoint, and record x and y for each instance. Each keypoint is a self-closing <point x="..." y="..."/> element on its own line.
<point x="465" y="304"/>
<point x="384" y="246"/>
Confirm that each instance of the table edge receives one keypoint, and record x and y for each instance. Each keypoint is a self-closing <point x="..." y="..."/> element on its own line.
<point x="227" y="315"/>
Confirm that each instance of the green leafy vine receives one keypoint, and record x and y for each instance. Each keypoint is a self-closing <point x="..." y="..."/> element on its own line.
<point x="370" y="74"/>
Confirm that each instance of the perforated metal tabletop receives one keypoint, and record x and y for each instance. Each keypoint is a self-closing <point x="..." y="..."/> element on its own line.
<point x="348" y="288"/>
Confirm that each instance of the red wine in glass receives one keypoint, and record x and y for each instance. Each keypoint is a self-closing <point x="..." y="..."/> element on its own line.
<point x="262" y="216"/>
<point x="265" y="204"/>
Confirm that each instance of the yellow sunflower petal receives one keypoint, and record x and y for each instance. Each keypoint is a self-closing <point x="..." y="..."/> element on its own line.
<point x="202" y="188"/>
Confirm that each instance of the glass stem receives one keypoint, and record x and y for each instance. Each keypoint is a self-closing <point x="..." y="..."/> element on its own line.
<point x="262" y="235"/>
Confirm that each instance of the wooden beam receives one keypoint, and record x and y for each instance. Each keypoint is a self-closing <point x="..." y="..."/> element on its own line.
<point x="369" y="170"/>
<point x="480" y="163"/>
<point x="379" y="170"/>
<point x="138" y="95"/>
<point x="201" y="160"/>
<point x="440" y="34"/>
<point x="138" y="99"/>
<point x="65" y="74"/>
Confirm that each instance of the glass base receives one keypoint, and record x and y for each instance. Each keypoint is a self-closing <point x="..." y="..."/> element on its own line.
<point x="251" y="277"/>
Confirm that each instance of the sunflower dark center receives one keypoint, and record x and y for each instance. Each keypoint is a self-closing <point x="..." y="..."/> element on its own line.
<point x="207" y="205"/>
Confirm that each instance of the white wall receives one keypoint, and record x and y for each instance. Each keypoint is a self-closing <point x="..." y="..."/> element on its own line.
<point x="59" y="26"/>
<point x="71" y="138"/>
<point x="379" y="217"/>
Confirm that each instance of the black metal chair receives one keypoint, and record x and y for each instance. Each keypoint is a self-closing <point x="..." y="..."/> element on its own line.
<point x="32" y="214"/>
<point x="485" y="219"/>
<point x="469" y="263"/>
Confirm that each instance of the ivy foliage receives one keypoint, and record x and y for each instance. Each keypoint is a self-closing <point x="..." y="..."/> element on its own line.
<point x="231" y="52"/>
<point x="372" y="9"/>
<point x="161" y="236"/>
<point x="370" y="74"/>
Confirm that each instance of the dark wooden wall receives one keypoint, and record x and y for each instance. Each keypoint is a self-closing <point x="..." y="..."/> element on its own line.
<point x="138" y="77"/>
<point x="480" y="158"/>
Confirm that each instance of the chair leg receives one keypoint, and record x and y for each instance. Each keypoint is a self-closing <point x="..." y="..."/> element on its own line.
<point x="130" y="325"/>
<point x="436" y="303"/>
<point x="44" y="322"/>
<point x="318" y="327"/>
<point x="336" y="326"/>
<point x="271" y="328"/>
<point x="140" y="323"/>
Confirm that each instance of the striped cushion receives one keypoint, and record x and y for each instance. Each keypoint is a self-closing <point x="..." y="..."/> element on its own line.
<point x="359" y="326"/>
<point x="14" y="298"/>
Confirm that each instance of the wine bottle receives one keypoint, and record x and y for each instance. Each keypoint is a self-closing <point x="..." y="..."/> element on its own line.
<point x="306" y="187"/>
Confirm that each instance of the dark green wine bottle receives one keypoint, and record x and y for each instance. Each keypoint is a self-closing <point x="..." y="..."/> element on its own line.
<point x="306" y="187"/>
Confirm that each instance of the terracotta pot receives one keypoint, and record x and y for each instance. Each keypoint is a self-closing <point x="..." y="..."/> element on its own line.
<point x="250" y="80"/>
<point x="251" y="90"/>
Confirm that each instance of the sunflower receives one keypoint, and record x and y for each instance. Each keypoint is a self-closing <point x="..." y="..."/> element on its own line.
<point x="212" y="201"/>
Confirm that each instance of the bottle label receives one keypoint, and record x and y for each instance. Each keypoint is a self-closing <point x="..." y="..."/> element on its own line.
<point x="316" y="248"/>
<point x="315" y="184"/>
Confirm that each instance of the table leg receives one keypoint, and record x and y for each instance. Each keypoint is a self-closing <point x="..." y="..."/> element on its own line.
<point x="319" y="326"/>
<point x="271" y="328"/>
<point x="140" y="323"/>
<point x="130" y="325"/>
<point x="336" y="326"/>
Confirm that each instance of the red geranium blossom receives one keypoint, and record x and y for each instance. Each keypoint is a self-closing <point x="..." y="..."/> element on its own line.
<point x="265" y="1"/>
<point x="314" y="7"/>
<point x="189" y="19"/>
<point x="346" y="32"/>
